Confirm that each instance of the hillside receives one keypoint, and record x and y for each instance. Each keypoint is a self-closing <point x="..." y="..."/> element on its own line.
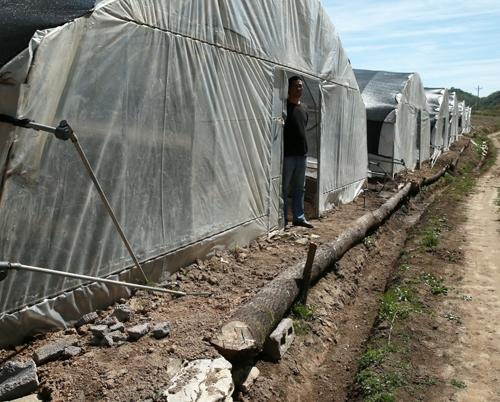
<point x="492" y="101"/>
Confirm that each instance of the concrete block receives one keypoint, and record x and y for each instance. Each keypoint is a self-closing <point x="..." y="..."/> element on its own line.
<point x="71" y="351"/>
<point x="280" y="339"/>
<point x="17" y="379"/>
<point x="117" y="336"/>
<point x="138" y="331"/>
<point x="53" y="351"/>
<point x="117" y="327"/>
<point x="123" y="313"/>
<point x="112" y="320"/>
<point x="161" y="330"/>
<point x="99" y="330"/>
<point x="107" y="341"/>
<point x="89" y="318"/>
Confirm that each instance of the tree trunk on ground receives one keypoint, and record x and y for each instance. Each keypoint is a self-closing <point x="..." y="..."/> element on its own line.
<point x="436" y="177"/>
<point x="244" y="335"/>
<point x="452" y="166"/>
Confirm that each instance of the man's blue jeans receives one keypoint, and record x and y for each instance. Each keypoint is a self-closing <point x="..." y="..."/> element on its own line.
<point x="294" y="175"/>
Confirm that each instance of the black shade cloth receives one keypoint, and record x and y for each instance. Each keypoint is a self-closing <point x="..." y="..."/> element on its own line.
<point x="433" y="96"/>
<point x="379" y="90"/>
<point x="20" y="19"/>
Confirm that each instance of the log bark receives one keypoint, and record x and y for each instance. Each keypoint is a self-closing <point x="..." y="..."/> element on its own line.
<point x="244" y="335"/>
<point x="429" y="180"/>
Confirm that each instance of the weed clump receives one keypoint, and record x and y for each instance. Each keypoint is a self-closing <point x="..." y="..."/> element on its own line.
<point x="302" y="315"/>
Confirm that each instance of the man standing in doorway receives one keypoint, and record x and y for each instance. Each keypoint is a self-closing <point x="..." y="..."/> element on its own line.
<point x="295" y="153"/>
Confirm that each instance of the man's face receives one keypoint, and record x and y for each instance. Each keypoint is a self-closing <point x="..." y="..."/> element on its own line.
<point x="296" y="88"/>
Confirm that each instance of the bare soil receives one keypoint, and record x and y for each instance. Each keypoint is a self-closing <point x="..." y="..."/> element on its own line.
<point x="322" y="363"/>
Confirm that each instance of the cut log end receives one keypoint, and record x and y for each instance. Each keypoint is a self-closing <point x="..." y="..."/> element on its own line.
<point x="235" y="342"/>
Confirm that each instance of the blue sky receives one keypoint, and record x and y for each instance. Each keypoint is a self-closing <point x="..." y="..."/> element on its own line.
<point x="448" y="43"/>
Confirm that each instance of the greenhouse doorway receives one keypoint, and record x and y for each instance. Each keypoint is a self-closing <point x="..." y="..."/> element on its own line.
<point x="311" y="97"/>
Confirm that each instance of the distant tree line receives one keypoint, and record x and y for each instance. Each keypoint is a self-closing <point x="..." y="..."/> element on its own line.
<point x="492" y="101"/>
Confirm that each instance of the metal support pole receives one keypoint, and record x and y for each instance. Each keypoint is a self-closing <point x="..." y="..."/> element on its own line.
<point x="64" y="132"/>
<point x="4" y="266"/>
<point x="74" y="139"/>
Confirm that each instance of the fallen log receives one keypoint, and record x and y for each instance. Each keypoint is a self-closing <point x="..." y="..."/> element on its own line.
<point x="429" y="180"/>
<point x="244" y="335"/>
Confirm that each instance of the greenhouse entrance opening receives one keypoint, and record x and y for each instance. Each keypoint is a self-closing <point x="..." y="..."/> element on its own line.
<point x="311" y="97"/>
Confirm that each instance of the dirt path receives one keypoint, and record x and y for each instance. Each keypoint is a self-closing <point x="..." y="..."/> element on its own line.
<point x="478" y="346"/>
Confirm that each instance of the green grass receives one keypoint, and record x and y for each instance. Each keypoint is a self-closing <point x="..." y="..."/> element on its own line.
<point x="300" y="327"/>
<point x="463" y="185"/>
<point x="430" y="241"/>
<point x="435" y="284"/>
<point x="453" y="317"/>
<point x="212" y="265"/>
<point x="397" y="303"/>
<point x="448" y="178"/>
<point x="491" y="153"/>
<point x="374" y="356"/>
<point x="375" y="386"/>
<point x="305" y="312"/>
<point x="379" y="389"/>
<point x="431" y="234"/>
<point x="458" y="384"/>
<point x="302" y="315"/>
<point x="235" y="250"/>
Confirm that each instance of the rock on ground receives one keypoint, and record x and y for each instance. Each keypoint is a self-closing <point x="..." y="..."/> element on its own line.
<point x="201" y="380"/>
<point x="17" y="379"/>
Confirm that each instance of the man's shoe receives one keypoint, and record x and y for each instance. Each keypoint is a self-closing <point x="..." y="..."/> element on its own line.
<point x="303" y="223"/>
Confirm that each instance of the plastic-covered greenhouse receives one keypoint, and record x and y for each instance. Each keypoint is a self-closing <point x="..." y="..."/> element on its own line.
<point x="468" y="119"/>
<point x="397" y="120"/>
<point x="178" y="106"/>
<point x="454" y="118"/>
<point x="465" y="118"/>
<point x="437" y="104"/>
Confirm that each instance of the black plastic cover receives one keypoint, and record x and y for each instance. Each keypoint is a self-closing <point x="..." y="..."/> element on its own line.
<point x="379" y="90"/>
<point x="20" y="19"/>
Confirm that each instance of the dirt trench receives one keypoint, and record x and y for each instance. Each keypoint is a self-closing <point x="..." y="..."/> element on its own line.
<point x="448" y="360"/>
<point x="321" y="365"/>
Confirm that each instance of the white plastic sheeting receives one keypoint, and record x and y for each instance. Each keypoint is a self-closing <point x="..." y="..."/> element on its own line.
<point x="178" y="106"/>
<point x="468" y="119"/>
<point x="454" y="118"/>
<point x="438" y="105"/>
<point x="464" y="120"/>
<point x="398" y="125"/>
